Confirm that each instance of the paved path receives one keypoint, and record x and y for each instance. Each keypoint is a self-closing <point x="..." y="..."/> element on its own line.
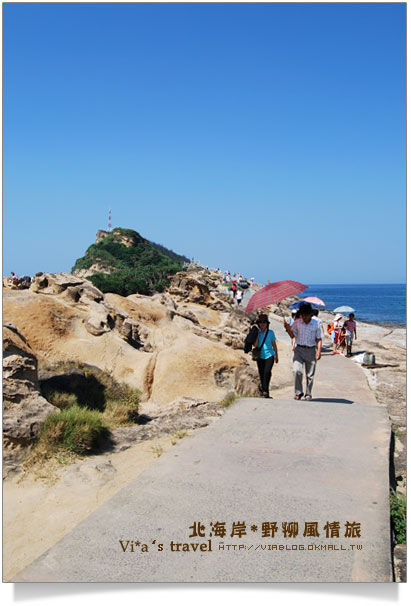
<point x="263" y="461"/>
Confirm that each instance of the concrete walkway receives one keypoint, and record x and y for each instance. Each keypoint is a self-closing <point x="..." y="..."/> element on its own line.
<point x="265" y="461"/>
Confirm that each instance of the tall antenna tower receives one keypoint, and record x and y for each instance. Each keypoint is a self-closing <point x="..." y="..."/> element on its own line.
<point x="110" y="227"/>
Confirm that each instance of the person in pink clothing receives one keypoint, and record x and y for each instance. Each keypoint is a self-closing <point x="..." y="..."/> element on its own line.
<point x="350" y="326"/>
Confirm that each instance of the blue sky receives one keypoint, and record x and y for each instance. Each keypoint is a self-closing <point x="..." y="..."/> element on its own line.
<point x="262" y="138"/>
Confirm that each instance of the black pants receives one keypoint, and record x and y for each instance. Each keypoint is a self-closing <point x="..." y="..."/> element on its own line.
<point x="264" y="368"/>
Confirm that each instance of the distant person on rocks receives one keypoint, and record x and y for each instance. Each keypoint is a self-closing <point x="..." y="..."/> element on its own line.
<point x="350" y="326"/>
<point x="239" y="296"/>
<point x="308" y="342"/>
<point x="234" y="289"/>
<point x="266" y="342"/>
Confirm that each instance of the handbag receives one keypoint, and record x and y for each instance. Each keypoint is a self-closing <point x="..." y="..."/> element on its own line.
<point x="255" y="354"/>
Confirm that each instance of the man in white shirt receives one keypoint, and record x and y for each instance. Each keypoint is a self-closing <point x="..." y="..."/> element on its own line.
<point x="308" y="343"/>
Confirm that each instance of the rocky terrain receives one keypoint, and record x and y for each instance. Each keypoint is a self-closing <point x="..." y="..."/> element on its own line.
<point x="183" y="349"/>
<point x="186" y="342"/>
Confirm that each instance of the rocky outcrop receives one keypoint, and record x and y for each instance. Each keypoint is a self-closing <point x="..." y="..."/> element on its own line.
<point x="126" y="238"/>
<point x="54" y="284"/>
<point x="102" y="317"/>
<point x="178" y="347"/>
<point x="246" y="381"/>
<point x="188" y="288"/>
<point x="75" y="289"/>
<point x="24" y="409"/>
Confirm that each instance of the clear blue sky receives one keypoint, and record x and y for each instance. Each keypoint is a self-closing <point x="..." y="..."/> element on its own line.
<point x="262" y="138"/>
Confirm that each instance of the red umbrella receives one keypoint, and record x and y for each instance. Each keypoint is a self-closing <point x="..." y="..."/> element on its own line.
<point x="274" y="293"/>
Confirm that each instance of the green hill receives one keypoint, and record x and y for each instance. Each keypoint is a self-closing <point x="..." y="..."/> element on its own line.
<point x="126" y="263"/>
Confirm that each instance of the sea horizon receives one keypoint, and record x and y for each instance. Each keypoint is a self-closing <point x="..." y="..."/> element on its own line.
<point x="382" y="303"/>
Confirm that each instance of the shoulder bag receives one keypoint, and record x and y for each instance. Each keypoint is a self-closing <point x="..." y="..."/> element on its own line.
<point x="255" y="354"/>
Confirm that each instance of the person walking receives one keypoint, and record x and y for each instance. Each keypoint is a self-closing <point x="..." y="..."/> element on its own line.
<point x="239" y="296"/>
<point x="350" y="326"/>
<point x="268" y="354"/>
<point x="308" y="342"/>
<point x="291" y="321"/>
<point x="316" y="317"/>
<point x="339" y="335"/>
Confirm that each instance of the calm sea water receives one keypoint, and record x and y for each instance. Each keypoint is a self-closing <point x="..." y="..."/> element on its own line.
<point x="384" y="303"/>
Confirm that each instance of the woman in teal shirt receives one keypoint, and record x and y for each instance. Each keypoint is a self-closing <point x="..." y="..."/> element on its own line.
<point x="268" y="354"/>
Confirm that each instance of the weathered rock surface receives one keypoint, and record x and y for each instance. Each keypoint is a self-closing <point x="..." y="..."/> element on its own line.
<point x="54" y="284"/>
<point x="181" y="415"/>
<point x="24" y="409"/>
<point x="172" y="344"/>
<point x="188" y="288"/>
<point x="101" y="317"/>
<point x="167" y="346"/>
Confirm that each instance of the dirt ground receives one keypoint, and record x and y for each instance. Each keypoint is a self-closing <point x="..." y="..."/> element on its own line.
<point x="40" y="507"/>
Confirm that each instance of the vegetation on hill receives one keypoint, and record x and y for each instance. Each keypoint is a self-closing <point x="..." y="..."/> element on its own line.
<point x="166" y="251"/>
<point x="139" y="266"/>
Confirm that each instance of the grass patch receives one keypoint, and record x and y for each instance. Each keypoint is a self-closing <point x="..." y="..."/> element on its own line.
<point x="74" y="430"/>
<point x="91" y="403"/>
<point x="89" y="387"/>
<point x="398" y="517"/>
<point x="157" y="450"/>
<point x="61" y="399"/>
<point x="228" y="400"/>
<point x="123" y="409"/>
<point x="178" y="435"/>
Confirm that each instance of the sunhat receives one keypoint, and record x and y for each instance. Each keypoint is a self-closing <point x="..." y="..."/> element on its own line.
<point x="262" y="318"/>
<point x="338" y="317"/>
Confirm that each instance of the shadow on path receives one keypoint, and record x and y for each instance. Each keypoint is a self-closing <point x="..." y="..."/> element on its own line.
<point x="333" y="400"/>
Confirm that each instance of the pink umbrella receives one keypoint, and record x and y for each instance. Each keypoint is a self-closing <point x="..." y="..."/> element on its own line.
<point x="314" y="301"/>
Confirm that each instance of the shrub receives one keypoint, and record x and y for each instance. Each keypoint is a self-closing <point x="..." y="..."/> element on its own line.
<point x="398" y="516"/>
<point x="60" y="399"/>
<point x="91" y="404"/>
<point x="93" y="388"/>
<point x="228" y="400"/>
<point x="76" y="430"/>
<point x="122" y="408"/>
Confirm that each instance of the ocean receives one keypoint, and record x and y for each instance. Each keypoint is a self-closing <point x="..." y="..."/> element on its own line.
<point x="381" y="303"/>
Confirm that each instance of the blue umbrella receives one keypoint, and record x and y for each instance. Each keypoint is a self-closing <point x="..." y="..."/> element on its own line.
<point x="297" y="305"/>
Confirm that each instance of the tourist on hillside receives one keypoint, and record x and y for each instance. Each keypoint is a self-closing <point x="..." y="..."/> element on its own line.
<point x="308" y="342"/>
<point x="234" y="289"/>
<point x="350" y="326"/>
<point x="239" y="296"/>
<point x="268" y="354"/>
